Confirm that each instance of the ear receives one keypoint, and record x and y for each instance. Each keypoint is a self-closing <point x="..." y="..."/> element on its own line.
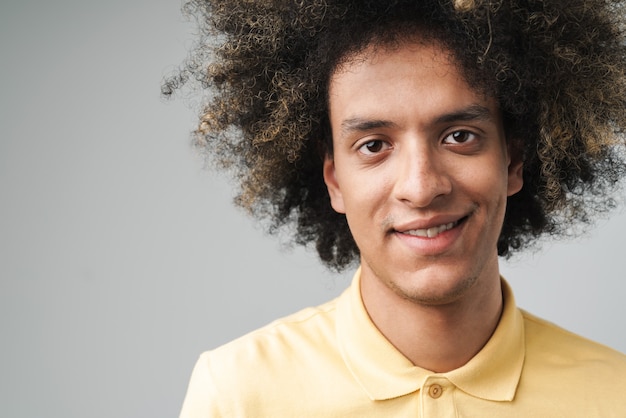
<point x="334" y="191"/>
<point x="516" y="168"/>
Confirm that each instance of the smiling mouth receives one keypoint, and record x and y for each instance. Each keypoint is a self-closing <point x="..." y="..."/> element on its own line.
<point x="433" y="231"/>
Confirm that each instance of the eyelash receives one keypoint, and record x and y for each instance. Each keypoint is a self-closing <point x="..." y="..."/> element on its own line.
<point x="364" y="148"/>
<point x="467" y="135"/>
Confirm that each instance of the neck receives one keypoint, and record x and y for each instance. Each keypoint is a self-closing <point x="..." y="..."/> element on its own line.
<point x="441" y="337"/>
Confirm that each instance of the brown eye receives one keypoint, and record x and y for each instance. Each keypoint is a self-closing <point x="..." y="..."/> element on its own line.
<point x="459" y="137"/>
<point x="373" y="147"/>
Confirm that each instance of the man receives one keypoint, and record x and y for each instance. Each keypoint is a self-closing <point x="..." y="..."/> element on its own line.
<point x="422" y="139"/>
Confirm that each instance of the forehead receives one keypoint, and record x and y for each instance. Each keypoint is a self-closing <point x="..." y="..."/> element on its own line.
<point x="382" y="79"/>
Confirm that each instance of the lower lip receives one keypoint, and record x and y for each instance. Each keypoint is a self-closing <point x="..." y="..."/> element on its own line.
<point x="432" y="246"/>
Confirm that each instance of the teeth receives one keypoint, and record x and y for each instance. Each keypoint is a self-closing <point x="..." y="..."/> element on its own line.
<point x="431" y="232"/>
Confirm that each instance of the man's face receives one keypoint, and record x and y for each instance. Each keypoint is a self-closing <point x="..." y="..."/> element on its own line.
<point x="421" y="169"/>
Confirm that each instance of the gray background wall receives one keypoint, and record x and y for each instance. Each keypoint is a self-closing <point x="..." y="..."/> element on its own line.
<point x="121" y="259"/>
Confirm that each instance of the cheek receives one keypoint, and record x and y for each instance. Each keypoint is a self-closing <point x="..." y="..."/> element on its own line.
<point x="485" y="185"/>
<point x="495" y="189"/>
<point x="364" y="197"/>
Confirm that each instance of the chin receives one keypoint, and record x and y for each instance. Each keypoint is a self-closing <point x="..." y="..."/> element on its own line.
<point x="437" y="291"/>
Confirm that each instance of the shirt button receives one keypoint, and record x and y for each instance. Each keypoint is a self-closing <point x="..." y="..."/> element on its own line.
<point x="435" y="391"/>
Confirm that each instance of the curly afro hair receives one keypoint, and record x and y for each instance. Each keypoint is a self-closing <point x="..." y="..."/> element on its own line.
<point x="557" y="68"/>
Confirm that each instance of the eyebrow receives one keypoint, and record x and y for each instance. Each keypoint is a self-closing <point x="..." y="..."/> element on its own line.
<point x="363" y="124"/>
<point x="472" y="112"/>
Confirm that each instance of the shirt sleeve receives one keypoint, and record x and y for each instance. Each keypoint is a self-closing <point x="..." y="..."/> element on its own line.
<point x="201" y="400"/>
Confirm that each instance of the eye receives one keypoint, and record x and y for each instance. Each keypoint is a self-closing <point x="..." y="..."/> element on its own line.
<point x="459" y="137"/>
<point x="373" y="147"/>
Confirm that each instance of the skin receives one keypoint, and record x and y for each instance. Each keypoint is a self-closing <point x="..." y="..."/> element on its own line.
<point x="417" y="151"/>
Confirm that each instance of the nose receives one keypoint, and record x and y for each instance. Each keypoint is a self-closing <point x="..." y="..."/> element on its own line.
<point x="422" y="176"/>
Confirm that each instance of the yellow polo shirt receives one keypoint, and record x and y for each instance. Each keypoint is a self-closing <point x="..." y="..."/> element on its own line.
<point x="331" y="361"/>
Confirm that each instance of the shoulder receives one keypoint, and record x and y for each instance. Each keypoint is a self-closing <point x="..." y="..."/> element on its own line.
<point x="282" y="338"/>
<point x="569" y="375"/>
<point x="264" y="367"/>
<point x="550" y="334"/>
<point x="551" y="348"/>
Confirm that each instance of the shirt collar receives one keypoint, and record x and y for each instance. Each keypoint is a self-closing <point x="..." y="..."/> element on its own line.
<point x="384" y="373"/>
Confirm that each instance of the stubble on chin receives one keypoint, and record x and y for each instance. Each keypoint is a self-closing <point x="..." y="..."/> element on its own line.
<point x="435" y="294"/>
